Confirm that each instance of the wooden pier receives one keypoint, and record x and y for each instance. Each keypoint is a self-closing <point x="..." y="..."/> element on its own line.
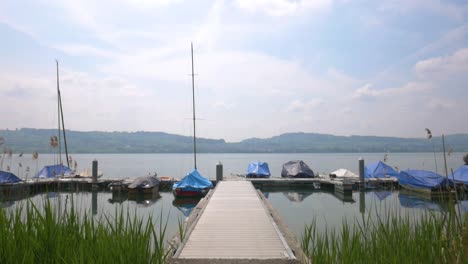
<point x="235" y="226"/>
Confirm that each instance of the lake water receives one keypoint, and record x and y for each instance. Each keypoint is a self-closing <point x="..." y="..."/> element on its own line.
<point x="296" y="207"/>
<point x="177" y="165"/>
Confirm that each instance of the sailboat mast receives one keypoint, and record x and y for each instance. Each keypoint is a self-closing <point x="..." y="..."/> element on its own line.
<point x="193" y="104"/>
<point x="63" y="121"/>
<point x="58" y="113"/>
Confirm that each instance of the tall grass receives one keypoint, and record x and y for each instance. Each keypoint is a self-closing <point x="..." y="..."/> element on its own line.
<point x="47" y="235"/>
<point x="433" y="238"/>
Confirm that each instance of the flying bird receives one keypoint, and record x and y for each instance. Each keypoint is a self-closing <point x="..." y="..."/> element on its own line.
<point x="429" y="133"/>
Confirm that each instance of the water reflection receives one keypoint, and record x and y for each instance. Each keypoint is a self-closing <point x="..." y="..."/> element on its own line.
<point x="296" y="196"/>
<point x="144" y="199"/>
<point x="118" y="197"/>
<point x="382" y="195"/>
<point x="415" y="200"/>
<point x="185" y="205"/>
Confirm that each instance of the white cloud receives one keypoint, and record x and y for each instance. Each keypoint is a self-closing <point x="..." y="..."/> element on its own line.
<point x="300" y="106"/>
<point x="367" y="91"/>
<point x="444" y="66"/>
<point x="281" y="7"/>
<point x="444" y="8"/>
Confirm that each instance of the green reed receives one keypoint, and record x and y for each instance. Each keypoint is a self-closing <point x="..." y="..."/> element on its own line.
<point x="431" y="238"/>
<point x="47" y="235"/>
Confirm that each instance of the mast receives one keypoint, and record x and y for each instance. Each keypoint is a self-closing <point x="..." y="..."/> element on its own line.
<point x="58" y="114"/>
<point x="193" y="105"/>
<point x="63" y="121"/>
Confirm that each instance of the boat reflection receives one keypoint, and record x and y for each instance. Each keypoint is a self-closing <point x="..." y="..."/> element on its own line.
<point x="382" y="195"/>
<point x="296" y="197"/>
<point x="413" y="200"/>
<point x="118" y="197"/>
<point x="144" y="199"/>
<point x="185" y="205"/>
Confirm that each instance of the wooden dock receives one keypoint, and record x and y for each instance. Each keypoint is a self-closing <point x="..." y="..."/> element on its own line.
<point x="235" y="225"/>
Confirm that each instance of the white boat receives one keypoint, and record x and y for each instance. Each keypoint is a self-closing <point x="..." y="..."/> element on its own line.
<point x="87" y="173"/>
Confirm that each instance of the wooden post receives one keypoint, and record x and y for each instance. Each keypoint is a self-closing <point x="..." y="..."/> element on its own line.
<point x="361" y="174"/>
<point x="219" y="172"/>
<point x="95" y="170"/>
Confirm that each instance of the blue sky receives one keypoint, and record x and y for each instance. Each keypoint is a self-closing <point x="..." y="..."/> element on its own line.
<point x="343" y="67"/>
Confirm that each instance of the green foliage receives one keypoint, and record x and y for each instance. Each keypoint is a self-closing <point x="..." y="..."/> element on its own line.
<point x="48" y="235"/>
<point x="394" y="239"/>
<point x="29" y="140"/>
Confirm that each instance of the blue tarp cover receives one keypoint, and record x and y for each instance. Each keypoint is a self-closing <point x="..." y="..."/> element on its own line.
<point x="258" y="169"/>
<point x="193" y="181"/>
<point x="379" y="170"/>
<point x="53" y="171"/>
<point x="461" y="174"/>
<point x="421" y="179"/>
<point x="8" y="177"/>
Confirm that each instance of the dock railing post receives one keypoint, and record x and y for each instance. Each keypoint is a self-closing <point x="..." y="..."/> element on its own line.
<point x="361" y="174"/>
<point x="95" y="170"/>
<point x="219" y="172"/>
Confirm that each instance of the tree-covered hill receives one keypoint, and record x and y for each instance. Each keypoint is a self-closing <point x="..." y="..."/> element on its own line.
<point x="29" y="140"/>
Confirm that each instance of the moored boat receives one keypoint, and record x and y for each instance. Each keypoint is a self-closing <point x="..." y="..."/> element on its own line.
<point x="54" y="171"/>
<point x="8" y="178"/>
<point x="379" y="170"/>
<point x="258" y="169"/>
<point x="423" y="181"/>
<point x="296" y="169"/>
<point x="145" y="184"/>
<point x="192" y="185"/>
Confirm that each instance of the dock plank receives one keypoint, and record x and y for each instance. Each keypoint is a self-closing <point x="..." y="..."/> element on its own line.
<point x="235" y="225"/>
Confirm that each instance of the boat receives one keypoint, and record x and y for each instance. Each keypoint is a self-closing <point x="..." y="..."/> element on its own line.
<point x="54" y="171"/>
<point x="88" y="174"/>
<point x="258" y="169"/>
<point x="460" y="176"/>
<point x="8" y="178"/>
<point x="58" y="170"/>
<point x="343" y="173"/>
<point x="193" y="184"/>
<point x="427" y="182"/>
<point x="145" y="184"/>
<point x="296" y="169"/>
<point x="379" y="170"/>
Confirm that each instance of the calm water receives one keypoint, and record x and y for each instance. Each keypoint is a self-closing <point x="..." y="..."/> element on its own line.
<point x="177" y="165"/>
<point x="296" y="207"/>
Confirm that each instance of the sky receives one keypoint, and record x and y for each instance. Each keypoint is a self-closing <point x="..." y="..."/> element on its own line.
<point x="264" y="67"/>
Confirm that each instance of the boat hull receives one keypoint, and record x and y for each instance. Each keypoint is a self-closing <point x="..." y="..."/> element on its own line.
<point x="179" y="192"/>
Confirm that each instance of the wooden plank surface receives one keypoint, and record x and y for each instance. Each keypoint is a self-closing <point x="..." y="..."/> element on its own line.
<point x="235" y="225"/>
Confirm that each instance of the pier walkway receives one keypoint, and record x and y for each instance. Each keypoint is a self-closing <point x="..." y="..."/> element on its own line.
<point x="235" y="224"/>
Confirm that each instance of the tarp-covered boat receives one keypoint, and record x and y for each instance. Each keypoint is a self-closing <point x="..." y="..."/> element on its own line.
<point x="145" y="184"/>
<point x="296" y="169"/>
<point x="8" y="177"/>
<point x="344" y="173"/>
<point x="192" y="185"/>
<point x="461" y="175"/>
<point x="258" y="170"/>
<point x="379" y="170"/>
<point x="53" y="171"/>
<point x="422" y="180"/>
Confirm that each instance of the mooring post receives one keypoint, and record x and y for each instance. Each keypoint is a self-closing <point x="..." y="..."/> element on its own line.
<point x="95" y="170"/>
<point x="361" y="174"/>
<point x="219" y="172"/>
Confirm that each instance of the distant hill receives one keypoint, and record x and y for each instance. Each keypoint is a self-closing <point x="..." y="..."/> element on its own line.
<point x="29" y="140"/>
